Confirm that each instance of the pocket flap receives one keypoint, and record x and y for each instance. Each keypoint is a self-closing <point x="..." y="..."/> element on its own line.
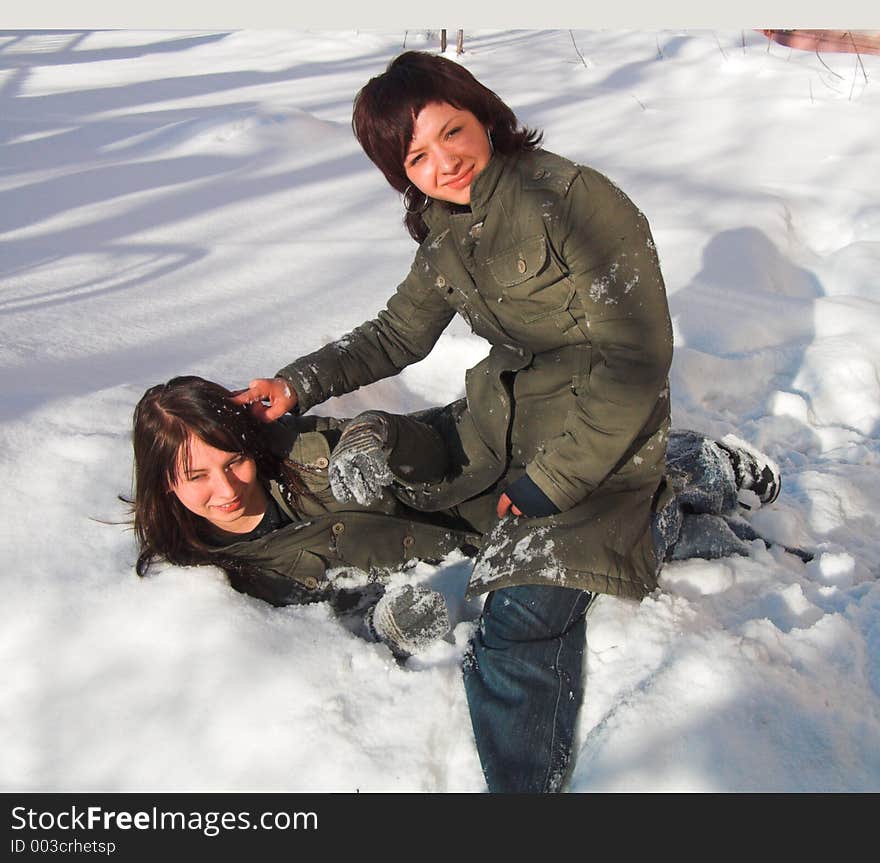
<point x="520" y="263"/>
<point x="312" y="451"/>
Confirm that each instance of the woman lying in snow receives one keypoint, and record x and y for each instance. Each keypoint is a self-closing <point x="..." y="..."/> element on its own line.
<point x="280" y="506"/>
<point x="215" y="486"/>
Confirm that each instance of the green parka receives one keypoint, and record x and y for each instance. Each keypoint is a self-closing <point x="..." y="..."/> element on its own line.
<point x="556" y="268"/>
<point x="289" y="566"/>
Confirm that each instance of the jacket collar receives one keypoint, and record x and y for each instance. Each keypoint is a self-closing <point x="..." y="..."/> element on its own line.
<point x="438" y="215"/>
<point x="485" y="183"/>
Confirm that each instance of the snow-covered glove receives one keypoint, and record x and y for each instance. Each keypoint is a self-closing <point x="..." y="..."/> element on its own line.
<point x="408" y="619"/>
<point x="359" y="462"/>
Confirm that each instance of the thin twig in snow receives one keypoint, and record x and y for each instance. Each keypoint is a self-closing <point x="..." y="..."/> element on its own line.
<point x="718" y="41"/>
<point x="571" y="33"/>
<point x="743" y="34"/>
<point x="639" y="101"/>
<point x="811" y="91"/>
<point x="827" y="66"/>
<point x="405" y="34"/>
<point x="858" y="55"/>
<point x="855" y="75"/>
<point x="659" y="49"/>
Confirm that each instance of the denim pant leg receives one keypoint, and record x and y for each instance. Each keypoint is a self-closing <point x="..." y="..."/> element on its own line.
<point x="680" y="535"/>
<point x="523" y="679"/>
<point x="697" y="523"/>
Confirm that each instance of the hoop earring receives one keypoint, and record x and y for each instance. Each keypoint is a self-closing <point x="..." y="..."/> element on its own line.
<point x="408" y="202"/>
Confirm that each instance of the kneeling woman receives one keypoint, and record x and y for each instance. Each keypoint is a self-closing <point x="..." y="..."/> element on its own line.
<point x="214" y="486"/>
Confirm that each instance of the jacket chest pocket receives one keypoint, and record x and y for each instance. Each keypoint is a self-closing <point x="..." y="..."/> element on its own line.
<point x="530" y="276"/>
<point x="311" y="454"/>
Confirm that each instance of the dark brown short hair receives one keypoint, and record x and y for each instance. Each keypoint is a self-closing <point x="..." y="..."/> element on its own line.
<point x="164" y="419"/>
<point x="386" y="107"/>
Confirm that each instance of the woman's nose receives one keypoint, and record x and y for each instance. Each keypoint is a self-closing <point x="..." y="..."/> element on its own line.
<point x="449" y="161"/>
<point x="224" y="486"/>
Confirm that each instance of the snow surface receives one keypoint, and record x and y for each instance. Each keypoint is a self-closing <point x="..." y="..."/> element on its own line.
<point x="181" y="202"/>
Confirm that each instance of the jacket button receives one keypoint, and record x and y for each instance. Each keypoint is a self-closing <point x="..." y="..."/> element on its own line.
<point x="338" y="528"/>
<point x="540" y="174"/>
<point x="322" y="462"/>
<point x="521" y="266"/>
<point x="409" y="541"/>
<point x="441" y="282"/>
<point x="310" y="582"/>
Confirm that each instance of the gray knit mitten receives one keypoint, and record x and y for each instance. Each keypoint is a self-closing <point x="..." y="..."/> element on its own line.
<point x="409" y="619"/>
<point x="359" y="462"/>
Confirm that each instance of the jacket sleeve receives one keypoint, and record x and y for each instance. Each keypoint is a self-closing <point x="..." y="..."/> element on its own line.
<point x="274" y="588"/>
<point x="606" y="243"/>
<point x="401" y="334"/>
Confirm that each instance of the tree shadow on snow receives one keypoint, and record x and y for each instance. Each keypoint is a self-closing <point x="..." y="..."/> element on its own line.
<point x="71" y="53"/>
<point x="112" y="157"/>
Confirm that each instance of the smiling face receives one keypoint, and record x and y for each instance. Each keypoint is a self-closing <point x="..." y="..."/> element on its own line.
<point x="449" y="148"/>
<point x="220" y="486"/>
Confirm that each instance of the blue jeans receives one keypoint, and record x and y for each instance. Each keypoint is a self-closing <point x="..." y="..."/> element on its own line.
<point x="524" y="682"/>
<point x="524" y="672"/>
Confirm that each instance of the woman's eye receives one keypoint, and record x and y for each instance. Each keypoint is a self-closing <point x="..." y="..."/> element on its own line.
<point x="452" y="132"/>
<point x="416" y="160"/>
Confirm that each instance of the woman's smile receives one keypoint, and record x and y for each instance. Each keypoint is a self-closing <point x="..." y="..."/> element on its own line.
<point x="462" y="180"/>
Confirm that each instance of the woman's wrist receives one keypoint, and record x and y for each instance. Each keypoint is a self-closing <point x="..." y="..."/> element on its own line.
<point x="529" y="499"/>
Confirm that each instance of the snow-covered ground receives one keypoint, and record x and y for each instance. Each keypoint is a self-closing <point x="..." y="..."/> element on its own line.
<point x="179" y="202"/>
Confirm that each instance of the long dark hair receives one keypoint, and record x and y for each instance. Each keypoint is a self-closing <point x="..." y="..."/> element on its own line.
<point x="386" y="107"/>
<point x="164" y="419"/>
